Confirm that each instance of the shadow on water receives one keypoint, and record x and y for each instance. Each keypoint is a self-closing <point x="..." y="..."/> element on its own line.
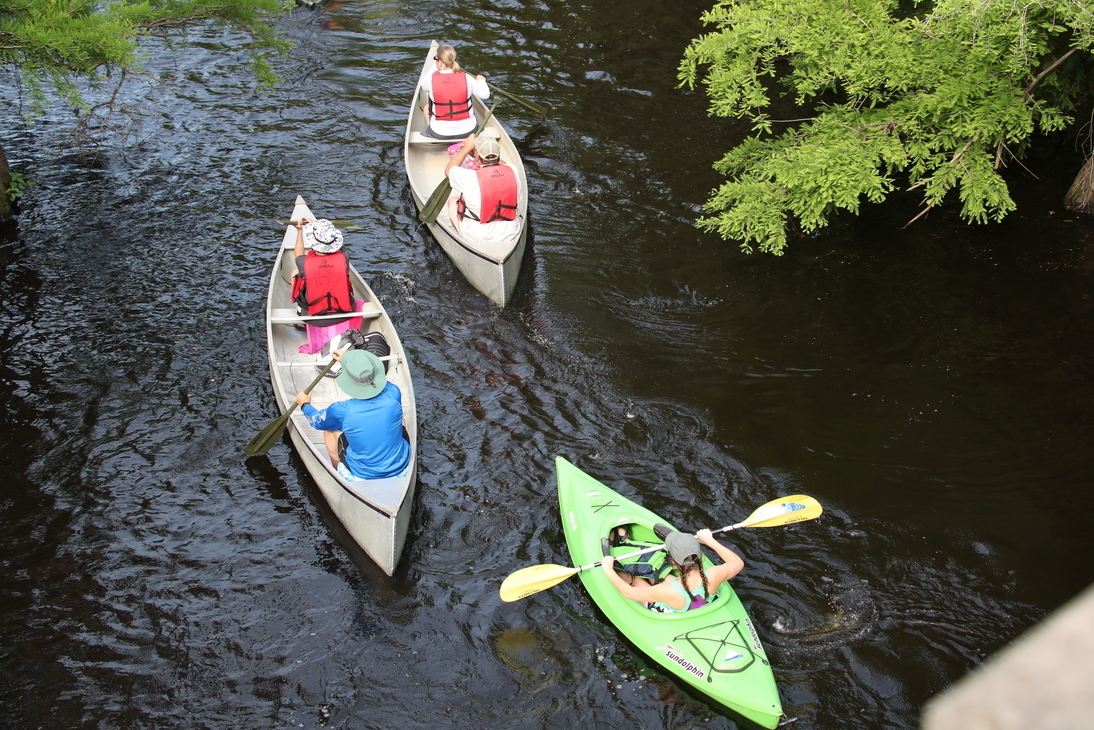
<point x="369" y="580"/>
<point x="265" y="473"/>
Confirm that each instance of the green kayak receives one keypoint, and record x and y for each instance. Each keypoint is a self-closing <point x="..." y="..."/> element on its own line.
<point x="713" y="648"/>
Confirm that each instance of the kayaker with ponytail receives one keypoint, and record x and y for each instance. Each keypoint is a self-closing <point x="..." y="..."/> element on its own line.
<point x="688" y="585"/>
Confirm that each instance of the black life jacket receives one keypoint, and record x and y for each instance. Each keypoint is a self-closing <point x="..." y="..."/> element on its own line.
<point x="324" y="287"/>
<point x="654" y="566"/>
<point x="355" y="339"/>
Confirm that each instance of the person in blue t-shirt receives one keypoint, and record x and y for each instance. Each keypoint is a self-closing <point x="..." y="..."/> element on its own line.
<point x="364" y="435"/>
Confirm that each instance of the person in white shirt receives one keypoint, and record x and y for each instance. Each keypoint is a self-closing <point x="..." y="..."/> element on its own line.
<point x="483" y="205"/>
<point x="449" y="114"/>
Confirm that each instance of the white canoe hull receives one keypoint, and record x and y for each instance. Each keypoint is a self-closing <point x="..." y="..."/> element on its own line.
<point x="375" y="513"/>
<point x="491" y="268"/>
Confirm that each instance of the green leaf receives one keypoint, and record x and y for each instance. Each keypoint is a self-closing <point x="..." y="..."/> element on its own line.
<point x="878" y="98"/>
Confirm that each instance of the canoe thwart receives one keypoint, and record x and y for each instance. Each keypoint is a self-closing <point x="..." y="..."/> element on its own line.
<point x="289" y="316"/>
<point x="419" y="138"/>
<point x="298" y="364"/>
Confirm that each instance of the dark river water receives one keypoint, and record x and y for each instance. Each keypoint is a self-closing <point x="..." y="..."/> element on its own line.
<point x="932" y="387"/>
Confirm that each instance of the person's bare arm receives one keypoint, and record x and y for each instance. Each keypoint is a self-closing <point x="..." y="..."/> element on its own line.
<point x="732" y="563"/>
<point x="298" y="249"/>
<point x="461" y="153"/>
<point x="642" y="591"/>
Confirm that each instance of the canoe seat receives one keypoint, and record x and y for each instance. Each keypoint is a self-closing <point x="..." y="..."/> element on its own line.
<point x="289" y="316"/>
<point x="419" y="138"/>
<point x="312" y="364"/>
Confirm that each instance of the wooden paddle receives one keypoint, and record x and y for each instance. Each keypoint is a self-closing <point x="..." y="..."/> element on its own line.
<point x="782" y="511"/>
<point x="270" y="435"/>
<point x="437" y="200"/>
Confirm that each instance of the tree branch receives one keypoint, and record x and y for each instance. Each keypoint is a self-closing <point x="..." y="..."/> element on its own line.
<point x="922" y="213"/>
<point x="1029" y="89"/>
<point x="956" y="156"/>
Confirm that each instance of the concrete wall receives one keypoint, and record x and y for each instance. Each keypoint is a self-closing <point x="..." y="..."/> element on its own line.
<point x="1042" y="681"/>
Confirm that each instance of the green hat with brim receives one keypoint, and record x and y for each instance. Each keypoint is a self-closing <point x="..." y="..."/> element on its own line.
<point x="362" y="375"/>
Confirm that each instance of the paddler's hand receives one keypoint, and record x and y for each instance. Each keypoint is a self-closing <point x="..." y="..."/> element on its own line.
<point x="303" y="398"/>
<point x="705" y="537"/>
<point x="337" y="354"/>
<point x="608" y="564"/>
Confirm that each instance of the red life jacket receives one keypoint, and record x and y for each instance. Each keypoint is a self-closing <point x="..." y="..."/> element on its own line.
<point x="497" y="195"/>
<point x="451" y="99"/>
<point x="323" y="287"/>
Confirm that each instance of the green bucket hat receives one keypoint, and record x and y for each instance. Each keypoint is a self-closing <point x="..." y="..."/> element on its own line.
<point x="362" y="375"/>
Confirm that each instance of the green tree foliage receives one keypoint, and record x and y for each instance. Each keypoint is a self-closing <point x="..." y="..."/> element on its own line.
<point x="936" y="96"/>
<point x="60" y="44"/>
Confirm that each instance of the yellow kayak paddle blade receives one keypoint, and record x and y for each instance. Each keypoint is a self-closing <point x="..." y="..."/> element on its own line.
<point x="534" y="579"/>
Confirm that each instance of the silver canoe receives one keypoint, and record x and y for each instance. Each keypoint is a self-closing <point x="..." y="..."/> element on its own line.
<point x="375" y="512"/>
<point x="491" y="268"/>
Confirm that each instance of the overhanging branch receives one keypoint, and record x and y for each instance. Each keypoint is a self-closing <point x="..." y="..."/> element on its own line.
<point x="1028" y="91"/>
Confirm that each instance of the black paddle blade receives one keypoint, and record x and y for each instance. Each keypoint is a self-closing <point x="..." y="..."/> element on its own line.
<point x="267" y="437"/>
<point x="342" y="223"/>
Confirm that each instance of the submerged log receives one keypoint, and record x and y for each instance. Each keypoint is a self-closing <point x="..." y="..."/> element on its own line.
<point x="1080" y="197"/>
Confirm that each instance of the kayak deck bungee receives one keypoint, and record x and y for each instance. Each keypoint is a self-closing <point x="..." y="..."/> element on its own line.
<point x="713" y="648"/>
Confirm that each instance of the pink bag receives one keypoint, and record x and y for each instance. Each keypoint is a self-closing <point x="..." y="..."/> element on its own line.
<point x="319" y="336"/>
